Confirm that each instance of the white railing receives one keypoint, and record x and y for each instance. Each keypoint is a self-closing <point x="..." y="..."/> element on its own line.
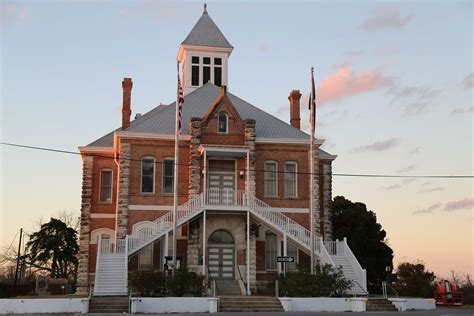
<point x="360" y="272"/>
<point x="334" y="247"/>
<point x="217" y="197"/>
<point x="164" y="224"/>
<point x="324" y="254"/>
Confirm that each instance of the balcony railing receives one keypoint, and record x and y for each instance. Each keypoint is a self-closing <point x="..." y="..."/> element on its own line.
<point x="215" y="197"/>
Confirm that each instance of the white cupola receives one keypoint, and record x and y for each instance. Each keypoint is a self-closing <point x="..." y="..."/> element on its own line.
<point x="204" y="55"/>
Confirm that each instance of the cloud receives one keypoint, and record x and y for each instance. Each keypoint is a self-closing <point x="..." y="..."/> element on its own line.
<point x="429" y="209"/>
<point x="465" y="204"/>
<point x="12" y="12"/>
<point x="409" y="180"/>
<point x="378" y="146"/>
<point x="263" y="47"/>
<point x="391" y="187"/>
<point x="408" y="168"/>
<point x="468" y="81"/>
<point x="432" y="190"/>
<point x="413" y="100"/>
<point x="344" y="82"/>
<point x="462" y="110"/>
<point x="414" y="151"/>
<point x="387" y="18"/>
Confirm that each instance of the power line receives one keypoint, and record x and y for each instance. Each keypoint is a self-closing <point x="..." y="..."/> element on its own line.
<point x="357" y="175"/>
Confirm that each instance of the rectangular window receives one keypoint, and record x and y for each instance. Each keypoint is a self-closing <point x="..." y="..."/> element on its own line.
<point x="218" y="76"/>
<point x="206" y="60"/>
<point x="206" y="73"/>
<point x="195" y="59"/>
<point x="270" y="176"/>
<point x="145" y="258"/>
<point x="148" y="175"/>
<point x="217" y="61"/>
<point x="195" y="75"/>
<point x="290" y="180"/>
<point x="106" y="186"/>
<point x="168" y="176"/>
<point x="270" y="251"/>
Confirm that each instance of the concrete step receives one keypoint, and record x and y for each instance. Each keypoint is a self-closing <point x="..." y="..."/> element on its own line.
<point x="250" y="304"/>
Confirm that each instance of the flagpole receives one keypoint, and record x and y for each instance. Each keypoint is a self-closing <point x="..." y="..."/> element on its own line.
<point x="175" y="178"/>
<point x="311" y="170"/>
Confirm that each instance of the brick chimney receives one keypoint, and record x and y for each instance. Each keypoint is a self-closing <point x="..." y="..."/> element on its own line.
<point x="127" y="85"/>
<point x="294" y="98"/>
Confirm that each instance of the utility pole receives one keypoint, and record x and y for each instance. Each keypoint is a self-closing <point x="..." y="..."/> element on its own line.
<point x="17" y="263"/>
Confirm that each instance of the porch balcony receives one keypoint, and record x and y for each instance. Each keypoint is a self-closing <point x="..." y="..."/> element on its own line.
<point x="217" y="199"/>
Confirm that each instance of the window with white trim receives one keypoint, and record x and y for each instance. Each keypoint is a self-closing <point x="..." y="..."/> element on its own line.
<point x="291" y="183"/>
<point x="168" y="175"/>
<point x="145" y="257"/>
<point x="195" y="70"/>
<point x="270" y="178"/>
<point x="106" y="186"/>
<point x="148" y="175"/>
<point x="222" y="123"/>
<point x="270" y="251"/>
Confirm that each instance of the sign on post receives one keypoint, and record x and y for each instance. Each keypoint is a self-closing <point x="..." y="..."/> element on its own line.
<point x="285" y="259"/>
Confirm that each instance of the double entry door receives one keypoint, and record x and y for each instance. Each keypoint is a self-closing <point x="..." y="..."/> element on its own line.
<point x="221" y="262"/>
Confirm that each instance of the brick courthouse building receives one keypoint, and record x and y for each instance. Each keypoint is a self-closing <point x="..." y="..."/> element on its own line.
<point x="238" y="165"/>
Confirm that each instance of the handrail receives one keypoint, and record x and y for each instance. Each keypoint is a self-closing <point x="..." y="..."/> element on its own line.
<point x="164" y="224"/>
<point x="361" y="272"/>
<point x="360" y="286"/>
<point x="212" y="280"/>
<point x="241" y="278"/>
<point x="384" y="289"/>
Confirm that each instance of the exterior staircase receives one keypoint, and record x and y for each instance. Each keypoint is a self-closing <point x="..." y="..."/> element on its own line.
<point x="250" y="304"/>
<point x="228" y="287"/>
<point x="111" y="268"/>
<point x="109" y="304"/>
<point x="112" y="262"/>
<point x="380" y="305"/>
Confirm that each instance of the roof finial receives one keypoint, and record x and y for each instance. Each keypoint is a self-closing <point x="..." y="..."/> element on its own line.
<point x="205" y="8"/>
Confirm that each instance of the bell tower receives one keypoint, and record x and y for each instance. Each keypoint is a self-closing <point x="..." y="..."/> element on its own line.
<point x="204" y="55"/>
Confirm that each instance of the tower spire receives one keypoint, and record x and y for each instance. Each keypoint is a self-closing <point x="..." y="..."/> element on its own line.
<point x="205" y="8"/>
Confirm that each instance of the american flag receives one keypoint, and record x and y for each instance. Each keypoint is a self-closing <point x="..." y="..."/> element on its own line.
<point x="312" y="102"/>
<point x="180" y="104"/>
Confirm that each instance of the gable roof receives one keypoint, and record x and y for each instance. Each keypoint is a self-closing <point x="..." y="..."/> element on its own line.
<point x="161" y="119"/>
<point x="206" y="33"/>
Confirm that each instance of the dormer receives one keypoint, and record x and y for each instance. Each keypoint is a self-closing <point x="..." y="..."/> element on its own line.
<point x="204" y="55"/>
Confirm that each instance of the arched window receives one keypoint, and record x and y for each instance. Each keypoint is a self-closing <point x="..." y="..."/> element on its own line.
<point x="221" y="237"/>
<point x="223" y="120"/>
<point x="104" y="233"/>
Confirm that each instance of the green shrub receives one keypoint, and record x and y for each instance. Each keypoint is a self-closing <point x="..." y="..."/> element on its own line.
<point x="159" y="283"/>
<point x="326" y="281"/>
<point x="148" y="283"/>
<point x="185" y="282"/>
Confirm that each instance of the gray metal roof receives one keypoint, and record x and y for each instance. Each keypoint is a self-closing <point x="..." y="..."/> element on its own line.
<point x="161" y="120"/>
<point x="198" y="102"/>
<point x="206" y="33"/>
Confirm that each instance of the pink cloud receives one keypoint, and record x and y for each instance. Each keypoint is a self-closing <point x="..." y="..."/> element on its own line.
<point x="429" y="209"/>
<point x="344" y="82"/>
<point x="11" y="11"/>
<point x="263" y="47"/>
<point x="465" y="204"/>
<point x="385" y="19"/>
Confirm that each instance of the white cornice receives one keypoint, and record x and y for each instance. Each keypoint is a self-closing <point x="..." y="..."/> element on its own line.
<point x="184" y="47"/>
<point x="95" y="149"/>
<point x="125" y="134"/>
<point x="286" y="141"/>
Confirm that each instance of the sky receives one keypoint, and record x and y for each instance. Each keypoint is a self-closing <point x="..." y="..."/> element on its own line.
<point x="395" y="84"/>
